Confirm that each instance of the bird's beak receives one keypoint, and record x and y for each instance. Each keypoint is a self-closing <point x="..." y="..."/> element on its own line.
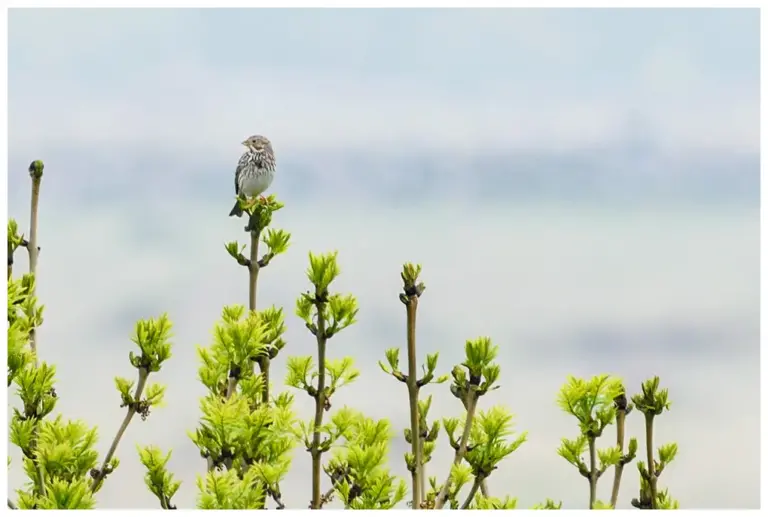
<point x="244" y="142"/>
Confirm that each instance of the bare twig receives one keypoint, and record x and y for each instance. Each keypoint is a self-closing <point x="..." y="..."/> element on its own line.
<point x="413" y="399"/>
<point x="36" y="173"/>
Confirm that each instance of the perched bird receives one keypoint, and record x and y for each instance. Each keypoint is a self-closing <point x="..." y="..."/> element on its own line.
<point x="255" y="170"/>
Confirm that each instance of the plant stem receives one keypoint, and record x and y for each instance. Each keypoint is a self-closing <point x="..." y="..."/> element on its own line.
<point x="319" y="407"/>
<point x="621" y="415"/>
<point x="478" y="482"/>
<point x="231" y="386"/>
<point x="413" y="399"/>
<point x="471" y="404"/>
<point x="253" y="278"/>
<point x="649" y="454"/>
<point x="484" y="483"/>
<point x="40" y="481"/>
<point x="143" y="375"/>
<point x="33" y="251"/>
<point x="10" y="259"/>
<point x="253" y="270"/>
<point x="592" y="472"/>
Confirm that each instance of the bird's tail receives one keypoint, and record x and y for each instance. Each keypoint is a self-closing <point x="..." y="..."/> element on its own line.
<point x="236" y="210"/>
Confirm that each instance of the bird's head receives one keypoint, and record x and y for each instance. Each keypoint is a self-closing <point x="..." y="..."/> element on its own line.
<point x="257" y="143"/>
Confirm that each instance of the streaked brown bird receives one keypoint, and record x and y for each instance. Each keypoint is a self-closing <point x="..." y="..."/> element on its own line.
<point x="255" y="170"/>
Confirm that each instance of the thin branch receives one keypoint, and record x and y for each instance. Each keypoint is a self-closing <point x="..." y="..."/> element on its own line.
<point x="471" y="404"/>
<point x="254" y="266"/>
<point x="475" y="486"/>
<point x="277" y="498"/>
<point x="36" y="173"/>
<point x="621" y="415"/>
<point x="32" y="248"/>
<point x="649" y="453"/>
<point x="319" y="406"/>
<point x="102" y="473"/>
<point x="253" y="270"/>
<point x="484" y="482"/>
<point x="413" y="400"/>
<point x="592" y="472"/>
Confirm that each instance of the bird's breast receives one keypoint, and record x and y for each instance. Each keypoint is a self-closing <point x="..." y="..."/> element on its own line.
<point x="257" y="182"/>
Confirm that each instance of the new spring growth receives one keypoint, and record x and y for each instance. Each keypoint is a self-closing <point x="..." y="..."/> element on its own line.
<point x="152" y="336"/>
<point x="592" y="402"/>
<point x="428" y="433"/>
<point x="159" y="481"/>
<point x="472" y="379"/>
<point x="652" y="402"/>
<point x="65" y="453"/>
<point x="393" y="368"/>
<point x="359" y="469"/>
<point x="259" y="211"/>
<point x="24" y="314"/>
<point x="36" y="170"/>
<point x="240" y="337"/>
<point x="302" y="372"/>
<point x="14" y="241"/>
<point x="325" y="314"/>
<point x="34" y="384"/>
<point x="260" y="217"/>
<point x="410" y="276"/>
<point x="338" y="310"/>
<point x="242" y="436"/>
<point x="489" y="441"/>
<point x="479" y="366"/>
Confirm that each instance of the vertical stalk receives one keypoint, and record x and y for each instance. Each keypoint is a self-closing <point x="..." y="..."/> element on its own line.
<point x="10" y="258"/>
<point x="253" y="270"/>
<point x="413" y="399"/>
<point x="649" y="454"/>
<point x="592" y="472"/>
<point x="317" y="500"/>
<point x="37" y="175"/>
<point x="253" y="278"/>
<point x="621" y="415"/>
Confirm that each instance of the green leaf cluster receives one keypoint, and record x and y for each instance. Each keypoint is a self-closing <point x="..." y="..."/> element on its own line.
<point x="359" y="469"/>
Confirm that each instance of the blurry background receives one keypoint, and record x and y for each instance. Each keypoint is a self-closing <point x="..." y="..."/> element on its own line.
<point x="582" y="186"/>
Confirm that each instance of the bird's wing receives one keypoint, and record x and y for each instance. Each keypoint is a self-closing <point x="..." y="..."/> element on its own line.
<point x="238" y="171"/>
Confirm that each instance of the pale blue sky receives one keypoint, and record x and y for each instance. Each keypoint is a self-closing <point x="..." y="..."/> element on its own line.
<point x="462" y="51"/>
<point x="582" y="186"/>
